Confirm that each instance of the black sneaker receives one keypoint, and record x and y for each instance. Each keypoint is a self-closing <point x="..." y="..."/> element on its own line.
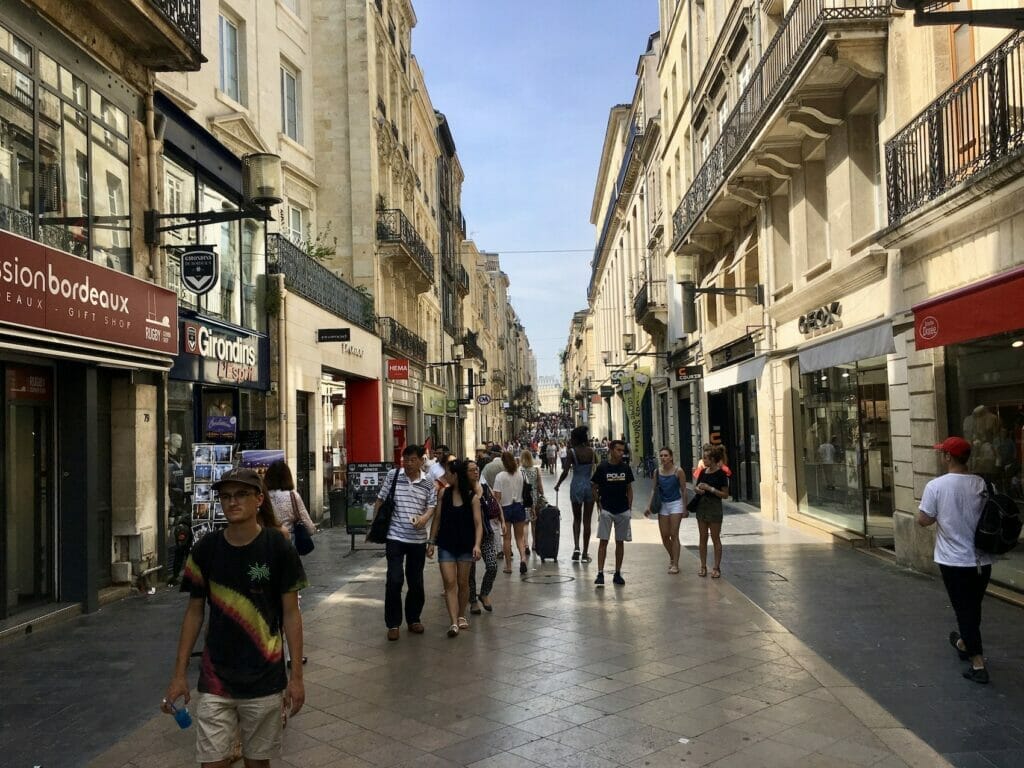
<point x="977" y="675"/>
<point x="599" y="581"/>
<point x="617" y="579"/>
<point x="575" y="555"/>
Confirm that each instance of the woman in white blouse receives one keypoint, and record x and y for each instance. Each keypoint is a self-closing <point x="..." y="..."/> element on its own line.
<point x="508" y="490"/>
<point x="288" y="506"/>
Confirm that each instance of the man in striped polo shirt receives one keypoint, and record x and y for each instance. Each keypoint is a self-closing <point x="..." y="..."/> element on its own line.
<point x="406" y="548"/>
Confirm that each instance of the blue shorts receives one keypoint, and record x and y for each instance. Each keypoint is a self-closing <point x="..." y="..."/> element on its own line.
<point x="444" y="556"/>
<point x="581" y="492"/>
<point x="515" y="513"/>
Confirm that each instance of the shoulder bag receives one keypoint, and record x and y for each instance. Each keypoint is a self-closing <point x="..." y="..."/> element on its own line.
<point x="489" y="505"/>
<point x="301" y="536"/>
<point x="527" y="491"/>
<point x="378" y="533"/>
<point x="655" y="504"/>
<point x="692" y="504"/>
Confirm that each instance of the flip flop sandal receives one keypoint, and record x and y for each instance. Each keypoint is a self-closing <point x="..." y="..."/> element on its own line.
<point x="673" y="569"/>
<point x="463" y="624"/>
<point x="453" y="630"/>
<point x="703" y="571"/>
<point x="716" y="573"/>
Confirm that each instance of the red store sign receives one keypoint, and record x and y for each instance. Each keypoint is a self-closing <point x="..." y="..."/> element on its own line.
<point x="49" y="290"/>
<point x="986" y="308"/>
<point x="398" y="369"/>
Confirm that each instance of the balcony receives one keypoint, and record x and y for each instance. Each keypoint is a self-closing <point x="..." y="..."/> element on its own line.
<point x="971" y="129"/>
<point x="162" y="35"/>
<point x="471" y="346"/>
<point x="310" y="279"/>
<point x="822" y="50"/>
<point x="399" y="340"/>
<point x="497" y="376"/>
<point x="402" y="246"/>
<point x="462" y="281"/>
<point x="650" y="307"/>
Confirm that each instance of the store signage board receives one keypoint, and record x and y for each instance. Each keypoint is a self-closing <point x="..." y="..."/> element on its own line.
<point x="45" y="289"/>
<point x="398" y="369"/>
<point x="199" y="268"/>
<point x="334" y="334"/>
<point x="686" y="373"/>
<point x="364" y="483"/>
<point x="483" y="399"/>
<point x="821" y="319"/>
<point x="218" y="354"/>
<point x="607" y="390"/>
<point x="616" y="375"/>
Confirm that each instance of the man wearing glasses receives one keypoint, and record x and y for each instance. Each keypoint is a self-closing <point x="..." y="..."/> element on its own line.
<point x="406" y="548"/>
<point x="250" y="575"/>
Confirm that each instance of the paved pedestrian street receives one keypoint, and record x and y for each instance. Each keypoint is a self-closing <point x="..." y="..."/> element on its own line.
<point x="666" y="671"/>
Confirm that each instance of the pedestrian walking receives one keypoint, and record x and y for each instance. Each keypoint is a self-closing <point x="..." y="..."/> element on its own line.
<point x="250" y="576"/>
<point x="488" y="544"/>
<point x="713" y="487"/>
<point x="288" y="506"/>
<point x="581" y="496"/>
<point x="508" y="489"/>
<point x="953" y="503"/>
<point x="456" y="531"/>
<point x="668" y="503"/>
<point x="613" y="491"/>
<point x="551" y="453"/>
<point x="563" y="455"/>
<point x="532" y="475"/>
<point x="406" y="546"/>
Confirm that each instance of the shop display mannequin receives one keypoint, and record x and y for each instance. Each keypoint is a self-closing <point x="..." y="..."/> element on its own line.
<point x="981" y="428"/>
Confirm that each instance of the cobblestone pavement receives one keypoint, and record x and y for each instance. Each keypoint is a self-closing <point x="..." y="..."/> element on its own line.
<point x="668" y="670"/>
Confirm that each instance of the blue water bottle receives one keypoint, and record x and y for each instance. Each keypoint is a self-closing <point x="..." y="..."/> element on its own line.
<point x="181" y="716"/>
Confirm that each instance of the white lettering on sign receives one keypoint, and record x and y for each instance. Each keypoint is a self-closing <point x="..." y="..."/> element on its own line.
<point x="14" y="273"/>
<point x="351" y="349"/>
<point x="200" y="340"/>
<point x="820" y="318"/>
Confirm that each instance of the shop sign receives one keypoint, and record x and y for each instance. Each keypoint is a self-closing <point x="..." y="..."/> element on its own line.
<point x="398" y="369"/>
<point x="607" y="390"/>
<point x="221" y="355"/>
<point x="221" y="427"/>
<point x="433" y="401"/>
<point x="733" y="353"/>
<point x="28" y="383"/>
<point x="451" y="405"/>
<point x="334" y="334"/>
<point x="820" y="319"/>
<point x="46" y="289"/>
<point x="686" y="373"/>
<point x="484" y="399"/>
<point x="199" y="268"/>
<point x="616" y="375"/>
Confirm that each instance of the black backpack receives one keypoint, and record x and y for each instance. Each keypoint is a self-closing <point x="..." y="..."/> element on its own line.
<point x="527" y="492"/>
<point x="999" y="525"/>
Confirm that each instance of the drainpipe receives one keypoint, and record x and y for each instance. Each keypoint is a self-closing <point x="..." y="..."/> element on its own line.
<point x="282" y="365"/>
<point x="154" y="146"/>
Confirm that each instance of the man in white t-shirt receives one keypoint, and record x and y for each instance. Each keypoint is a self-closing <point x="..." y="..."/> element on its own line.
<point x="953" y="503"/>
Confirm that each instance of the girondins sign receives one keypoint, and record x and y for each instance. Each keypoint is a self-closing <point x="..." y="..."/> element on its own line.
<point x="43" y="288"/>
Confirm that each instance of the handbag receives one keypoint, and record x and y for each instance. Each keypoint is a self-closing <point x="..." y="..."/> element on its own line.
<point x="692" y="504"/>
<point x="301" y="536"/>
<point x="491" y="508"/>
<point x="378" y="533"/>
<point x="655" y="504"/>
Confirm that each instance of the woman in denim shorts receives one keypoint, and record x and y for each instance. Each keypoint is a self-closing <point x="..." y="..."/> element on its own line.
<point x="508" y="490"/>
<point x="456" y="531"/>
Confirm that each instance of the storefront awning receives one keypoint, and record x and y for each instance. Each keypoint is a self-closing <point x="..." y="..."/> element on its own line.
<point x="849" y="347"/>
<point x="983" y="309"/>
<point x="748" y="370"/>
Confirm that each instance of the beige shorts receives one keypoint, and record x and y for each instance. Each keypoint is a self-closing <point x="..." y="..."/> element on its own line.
<point x="219" y="720"/>
<point x="621" y="523"/>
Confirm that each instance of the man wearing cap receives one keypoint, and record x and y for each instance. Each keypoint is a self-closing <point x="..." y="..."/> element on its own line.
<point x="953" y="502"/>
<point x="250" y="575"/>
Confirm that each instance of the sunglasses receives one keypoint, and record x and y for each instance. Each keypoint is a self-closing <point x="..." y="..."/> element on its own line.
<point x="227" y="498"/>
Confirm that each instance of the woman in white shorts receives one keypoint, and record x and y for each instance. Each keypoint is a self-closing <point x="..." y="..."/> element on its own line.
<point x="668" y="502"/>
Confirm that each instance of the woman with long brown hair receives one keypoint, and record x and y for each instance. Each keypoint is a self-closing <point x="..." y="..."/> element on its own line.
<point x="508" y="490"/>
<point x="712" y="487"/>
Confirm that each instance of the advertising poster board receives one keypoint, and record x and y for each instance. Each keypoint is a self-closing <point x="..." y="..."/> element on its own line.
<point x="209" y="462"/>
<point x="364" y="482"/>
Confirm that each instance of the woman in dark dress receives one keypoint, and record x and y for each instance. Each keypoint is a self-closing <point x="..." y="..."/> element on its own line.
<point x="456" y="531"/>
<point x="712" y="486"/>
<point x="582" y="462"/>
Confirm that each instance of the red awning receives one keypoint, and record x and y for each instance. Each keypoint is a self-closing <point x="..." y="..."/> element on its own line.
<point x="992" y="306"/>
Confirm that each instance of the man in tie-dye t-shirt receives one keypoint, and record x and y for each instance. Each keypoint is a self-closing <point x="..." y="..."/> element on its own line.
<point x="249" y="574"/>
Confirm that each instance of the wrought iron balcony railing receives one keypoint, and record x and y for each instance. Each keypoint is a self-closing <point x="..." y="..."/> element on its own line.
<point x="786" y="54"/>
<point x="969" y="128"/>
<point x="184" y="14"/>
<point x="462" y="280"/>
<point x="650" y="296"/>
<point x="394" y="227"/>
<point x="400" y="339"/>
<point x="471" y="347"/>
<point x="313" y="281"/>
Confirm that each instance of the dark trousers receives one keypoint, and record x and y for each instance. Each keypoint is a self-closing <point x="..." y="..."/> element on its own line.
<point x="410" y="558"/>
<point x="966" y="589"/>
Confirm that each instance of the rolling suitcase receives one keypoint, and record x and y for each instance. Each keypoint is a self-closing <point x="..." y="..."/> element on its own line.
<point x="549" y="523"/>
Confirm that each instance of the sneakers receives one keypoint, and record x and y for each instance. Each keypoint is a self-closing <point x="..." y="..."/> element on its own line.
<point x="575" y="555"/>
<point x="599" y="581"/>
<point x="618" y="580"/>
<point x="977" y="675"/>
<point x="585" y="558"/>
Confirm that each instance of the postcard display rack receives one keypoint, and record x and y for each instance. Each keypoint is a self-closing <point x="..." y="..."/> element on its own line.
<point x="209" y="462"/>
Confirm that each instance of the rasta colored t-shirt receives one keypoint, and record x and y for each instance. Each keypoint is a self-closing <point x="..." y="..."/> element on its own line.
<point x="244" y="653"/>
<point x="612" y="481"/>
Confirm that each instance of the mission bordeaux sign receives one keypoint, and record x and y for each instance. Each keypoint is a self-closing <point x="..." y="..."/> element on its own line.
<point x="46" y="289"/>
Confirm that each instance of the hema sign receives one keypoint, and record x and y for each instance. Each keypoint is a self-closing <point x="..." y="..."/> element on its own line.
<point x="46" y="289"/>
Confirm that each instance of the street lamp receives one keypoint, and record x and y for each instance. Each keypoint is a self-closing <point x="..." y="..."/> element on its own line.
<point x="262" y="189"/>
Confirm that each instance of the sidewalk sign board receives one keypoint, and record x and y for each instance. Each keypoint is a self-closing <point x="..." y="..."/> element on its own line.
<point x="364" y="482"/>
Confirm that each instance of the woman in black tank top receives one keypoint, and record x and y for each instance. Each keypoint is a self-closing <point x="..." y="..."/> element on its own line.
<point x="456" y="531"/>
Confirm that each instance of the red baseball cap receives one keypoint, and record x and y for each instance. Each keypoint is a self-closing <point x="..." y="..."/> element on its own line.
<point x="955" y="446"/>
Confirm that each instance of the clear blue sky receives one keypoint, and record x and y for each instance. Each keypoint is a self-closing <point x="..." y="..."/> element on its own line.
<point x="527" y="86"/>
